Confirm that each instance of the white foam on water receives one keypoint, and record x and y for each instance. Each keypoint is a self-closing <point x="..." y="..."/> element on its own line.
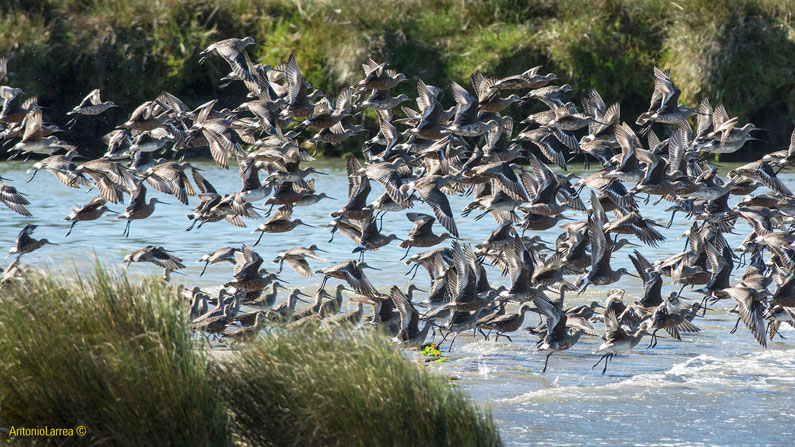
<point x="483" y="368"/>
<point x="763" y="370"/>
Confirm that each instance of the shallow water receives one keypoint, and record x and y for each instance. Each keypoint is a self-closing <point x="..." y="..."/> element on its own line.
<point x="712" y="388"/>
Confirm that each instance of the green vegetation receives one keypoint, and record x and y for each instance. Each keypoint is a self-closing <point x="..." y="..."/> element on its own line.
<point x="110" y="355"/>
<point x="734" y="51"/>
<point x="119" y="359"/>
<point x="347" y="388"/>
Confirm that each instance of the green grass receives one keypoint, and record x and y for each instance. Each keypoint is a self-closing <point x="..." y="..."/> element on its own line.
<point x="113" y="356"/>
<point x="345" y="388"/>
<point x="118" y="358"/>
<point x="735" y="51"/>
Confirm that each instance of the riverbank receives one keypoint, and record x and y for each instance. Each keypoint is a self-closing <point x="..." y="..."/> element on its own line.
<point x="733" y="52"/>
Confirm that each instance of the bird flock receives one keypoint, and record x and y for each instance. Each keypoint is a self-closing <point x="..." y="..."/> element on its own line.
<point x="426" y="154"/>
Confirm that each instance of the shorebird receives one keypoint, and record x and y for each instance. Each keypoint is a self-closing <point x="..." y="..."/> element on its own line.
<point x="506" y="323"/>
<point x="670" y="318"/>
<point x="170" y="178"/>
<point x="226" y="254"/>
<point x="551" y="95"/>
<point x="559" y="335"/>
<point x="263" y="301"/>
<point x="616" y="340"/>
<point x="528" y="79"/>
<point x="351" y="272"/>
<point x="382" y="100"/>
<point x="409" y="332"/>
<point x="62" y="167"/>
<point x="233" y="52"/>
<point x="13" y="199"/>
<point x="378" y="77"/>
<point x="296" y="259"/>
<point x="422" y="234"/>
<point x="219" y="135"/>
<point x="92" y="210"/>
<point x="248" y="275"/>
<point x="321" y="306"/>
<point x="346" y="318"/>
<point x="601" y="251"/>
<point x="111" y="178"/>
<point x="429" y="190"/>
<point x="279" y="223"/>
<point x="156" y="255"/>
<point x="284" y="311"/>
<point x="138" y="208"/>
<point x="466" y="122"/>
<point x="298" y="103"/>
<point x="91" y="105"/>
<point x="246" y="333"/>
<point x="34" y="139"/>
<point x="26" y="244"/>
<point x="372" y="239"/>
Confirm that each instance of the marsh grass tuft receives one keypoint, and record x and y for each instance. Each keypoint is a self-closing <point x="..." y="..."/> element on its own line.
<point x="346" y="388"/>
<point x="118" y="357"/>
<point x="114" y="356"/>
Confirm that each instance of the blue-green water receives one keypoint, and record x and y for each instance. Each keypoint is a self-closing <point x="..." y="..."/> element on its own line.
<point x="712" y="388"/>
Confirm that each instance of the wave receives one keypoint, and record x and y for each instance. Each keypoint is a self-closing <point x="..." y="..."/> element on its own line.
<point x="768" y="370"/>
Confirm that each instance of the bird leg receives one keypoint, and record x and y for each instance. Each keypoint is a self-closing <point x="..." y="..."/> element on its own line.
<point x="70" y="229"/>
<point x="736" y="325"/>
<point x="407" y="252"/>
<point x="653" y="341"/>
<point x="607" y="360"/>
<point x="508" y="337"/>
<point x="127" y="229"/>
<point x="444" y="337"/>
<point x="205" y="268"/>
<point x="415" y="268"/>
<point x="334" y="230"/>
<point x="31" y="177"/>
<point x="71" y="123"/>
<point x="546" y="361"/>
<point x="485" y="337"/>
<point x="450" y="348"/>
<point x="600" y="360"/>
<point x="323" y="284"/>
<point x="703" y="305"/>
<point x="670" y="222"/>
<point x="259" y="238"/>
<point x="381" y="221"/>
